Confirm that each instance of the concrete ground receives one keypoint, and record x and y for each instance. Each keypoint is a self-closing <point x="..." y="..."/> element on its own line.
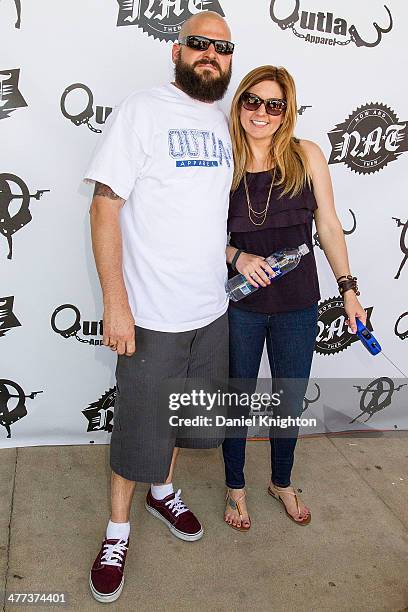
<point x="352" y="557"/>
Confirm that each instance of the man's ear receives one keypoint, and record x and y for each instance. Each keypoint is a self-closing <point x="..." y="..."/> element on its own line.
<point x="175" y="52"/>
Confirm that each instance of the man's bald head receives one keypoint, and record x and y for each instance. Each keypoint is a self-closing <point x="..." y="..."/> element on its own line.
<point x="200" y="20"/>
<point x="203" y="74"/>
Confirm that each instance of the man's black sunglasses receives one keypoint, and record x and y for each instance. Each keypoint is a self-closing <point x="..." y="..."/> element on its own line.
<point x="273" y="106"/>
<point x="201" y="43"/>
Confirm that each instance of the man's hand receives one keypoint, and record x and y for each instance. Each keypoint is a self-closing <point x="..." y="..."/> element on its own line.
<point x="118" y="322"/>
<point x="119" y="330"/>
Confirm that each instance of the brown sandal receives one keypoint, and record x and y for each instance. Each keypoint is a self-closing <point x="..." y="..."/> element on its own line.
<point x="276" y="495"/>
<point x="235" y="505"/>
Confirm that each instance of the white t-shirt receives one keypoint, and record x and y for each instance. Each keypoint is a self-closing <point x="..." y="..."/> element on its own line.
<point x="169" y="156"/>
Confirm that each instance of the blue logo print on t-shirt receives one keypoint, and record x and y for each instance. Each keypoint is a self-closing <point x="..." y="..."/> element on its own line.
<point x="198" y="148"/>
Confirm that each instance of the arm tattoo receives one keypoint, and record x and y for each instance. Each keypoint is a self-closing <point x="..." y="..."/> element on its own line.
<point x="105" y="190"/>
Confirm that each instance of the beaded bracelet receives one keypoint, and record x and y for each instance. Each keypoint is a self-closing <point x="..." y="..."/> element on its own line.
<point x="350" y="282"/>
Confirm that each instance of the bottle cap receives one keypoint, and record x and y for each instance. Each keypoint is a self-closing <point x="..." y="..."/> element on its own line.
<point x="303" y="249"/>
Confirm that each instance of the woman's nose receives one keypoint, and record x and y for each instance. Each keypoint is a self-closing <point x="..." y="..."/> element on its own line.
<point x="261" y="111"/>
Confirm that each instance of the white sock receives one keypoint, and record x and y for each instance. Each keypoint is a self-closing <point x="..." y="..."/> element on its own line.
<point x="117" y="531"/>
<point x="161" y="491"/>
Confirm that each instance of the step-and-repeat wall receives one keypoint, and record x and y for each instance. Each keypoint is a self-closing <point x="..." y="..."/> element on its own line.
<point x="64" y="66"/>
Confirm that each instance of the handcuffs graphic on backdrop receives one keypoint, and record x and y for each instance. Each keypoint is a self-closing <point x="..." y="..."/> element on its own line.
<point x="75" y="327"/>
<point x="86" y="114"/>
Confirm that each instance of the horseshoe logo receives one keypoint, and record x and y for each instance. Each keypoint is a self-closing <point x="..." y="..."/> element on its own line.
<point x="401" y="335"/>
<point x="348" y="232"/>
<point x="307" y="401"/>
<point x="8" y="417"/>
<point x="356" y="38"/>
<point x="290" y="21"/>
<point x="379" y="393"/>
<point x="381" y="386"/>
<point x="9" y="224"/>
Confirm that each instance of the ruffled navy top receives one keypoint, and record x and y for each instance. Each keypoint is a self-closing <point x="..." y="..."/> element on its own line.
<point x="288" y="224"/>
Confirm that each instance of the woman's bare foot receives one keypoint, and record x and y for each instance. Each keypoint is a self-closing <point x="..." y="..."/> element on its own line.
<point x="236" y="505"/>
<point x="298" y="511"/>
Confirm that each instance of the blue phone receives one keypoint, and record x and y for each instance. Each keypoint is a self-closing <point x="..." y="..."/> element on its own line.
<point x="372" y="345"/>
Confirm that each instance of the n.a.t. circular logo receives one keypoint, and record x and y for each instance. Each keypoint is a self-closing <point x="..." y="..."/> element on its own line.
<point x="369" y="139"/>
<point x="163" y="19"/>
<point x="333" y="335"/>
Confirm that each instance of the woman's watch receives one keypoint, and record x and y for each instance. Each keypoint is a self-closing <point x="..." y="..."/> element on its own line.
<point x="235" y="259"/>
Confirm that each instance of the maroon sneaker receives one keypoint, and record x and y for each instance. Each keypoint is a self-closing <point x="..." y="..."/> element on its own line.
<point x="175" y="514"/>
<point x="106" y="577"/>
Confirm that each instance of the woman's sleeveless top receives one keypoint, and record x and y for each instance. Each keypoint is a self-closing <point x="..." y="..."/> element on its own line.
<point x="288" y="224"/>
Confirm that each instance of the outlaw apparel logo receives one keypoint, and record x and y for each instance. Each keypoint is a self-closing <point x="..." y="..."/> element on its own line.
<point x="100" y="413"/>
<point x="333" y="335"/>
<point x="162" y="19"/>
<point x="10" y="96"/>
<point x="191" y="147"/>
<point x="10" y="224"/>
<point x="8" y="413"/>
<point x="369" y="139"/>
<point x="68" y="327"/>
<point x="8" y="319"/>
<point x="323" y="23"/>
<point x="83" y="117"/>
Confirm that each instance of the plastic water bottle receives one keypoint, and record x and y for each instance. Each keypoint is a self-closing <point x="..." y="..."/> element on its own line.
<point x="281" y="262"/>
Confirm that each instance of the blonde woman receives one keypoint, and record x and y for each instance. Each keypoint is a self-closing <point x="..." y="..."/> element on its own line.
<point x="281" y="184"/>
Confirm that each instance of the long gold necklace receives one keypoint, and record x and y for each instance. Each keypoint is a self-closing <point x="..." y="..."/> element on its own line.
<point x="252" y="211"/>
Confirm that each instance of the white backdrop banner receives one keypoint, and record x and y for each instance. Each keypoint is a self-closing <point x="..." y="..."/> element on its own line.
<point x="64" y="66"/>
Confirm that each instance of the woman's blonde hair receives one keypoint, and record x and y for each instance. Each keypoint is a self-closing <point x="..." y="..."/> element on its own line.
<point x="285" y="151"/>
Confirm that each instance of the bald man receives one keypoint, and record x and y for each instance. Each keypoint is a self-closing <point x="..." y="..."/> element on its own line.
<point x="162" y="172"/>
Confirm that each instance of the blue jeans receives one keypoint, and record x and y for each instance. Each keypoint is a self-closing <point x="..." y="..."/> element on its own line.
<point x="290" y="341"/>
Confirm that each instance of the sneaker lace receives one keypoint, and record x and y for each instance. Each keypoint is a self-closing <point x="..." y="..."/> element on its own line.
<point x="113" y="553"/>
<point x="176" y="505"/>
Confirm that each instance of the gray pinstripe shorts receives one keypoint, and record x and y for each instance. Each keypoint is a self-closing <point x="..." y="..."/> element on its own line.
<point x="140" y="450"/>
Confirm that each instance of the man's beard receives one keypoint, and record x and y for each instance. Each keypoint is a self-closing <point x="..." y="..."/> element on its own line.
<point x="200" y="86"/>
